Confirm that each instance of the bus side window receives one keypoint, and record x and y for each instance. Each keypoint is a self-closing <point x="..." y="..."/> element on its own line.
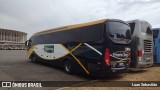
<point x="71" y="44"/>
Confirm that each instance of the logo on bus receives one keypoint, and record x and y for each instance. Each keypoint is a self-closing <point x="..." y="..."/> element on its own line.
<point x="49" y="48"/>
<point x="120" y="54"/>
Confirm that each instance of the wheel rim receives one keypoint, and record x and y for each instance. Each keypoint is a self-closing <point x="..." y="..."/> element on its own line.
<point x="68" y="67"/>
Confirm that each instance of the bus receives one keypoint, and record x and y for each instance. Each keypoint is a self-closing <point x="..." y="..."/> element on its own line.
<point x="98" y="48"/>
<point x="141" y="45"/>
<point x="156" y="38"/>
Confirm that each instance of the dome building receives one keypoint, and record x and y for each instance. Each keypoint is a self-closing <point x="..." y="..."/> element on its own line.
<point x="11" y="39"/>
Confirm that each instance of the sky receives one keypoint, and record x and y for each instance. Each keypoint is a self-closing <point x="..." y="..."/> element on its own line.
<point x="32" y="16"/>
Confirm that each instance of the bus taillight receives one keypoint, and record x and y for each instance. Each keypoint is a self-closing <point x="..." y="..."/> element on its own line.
<point x="139" y="53"/>
<point x="107" y="57"/>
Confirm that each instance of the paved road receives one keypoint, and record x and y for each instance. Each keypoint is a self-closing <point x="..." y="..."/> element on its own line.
<point x="14" y="66"/>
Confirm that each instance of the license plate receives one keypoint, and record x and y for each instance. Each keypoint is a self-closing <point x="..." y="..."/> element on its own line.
<point x="121" y="64"/>
<point x="127" y="49"/>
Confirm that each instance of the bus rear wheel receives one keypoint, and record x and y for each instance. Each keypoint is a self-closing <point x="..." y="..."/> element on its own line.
<point x="68" y="67"/>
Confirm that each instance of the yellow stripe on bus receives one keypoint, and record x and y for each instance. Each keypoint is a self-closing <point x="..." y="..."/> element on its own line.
<point x="125" y="59"/>
<point x="76" y="47"/>
<point x="69" y="52"/>
<point x="29" y="52"/>
<point x="78" y="61"/>
<point x="69" y="27"/>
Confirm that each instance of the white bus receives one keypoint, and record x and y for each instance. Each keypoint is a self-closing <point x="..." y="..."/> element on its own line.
<point x="141" y="44"/>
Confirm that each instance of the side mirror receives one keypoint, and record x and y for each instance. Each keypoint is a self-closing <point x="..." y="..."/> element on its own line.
<point x="26" y="43"/>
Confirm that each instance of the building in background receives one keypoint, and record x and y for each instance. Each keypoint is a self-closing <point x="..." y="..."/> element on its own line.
<point x="12" y="40"/>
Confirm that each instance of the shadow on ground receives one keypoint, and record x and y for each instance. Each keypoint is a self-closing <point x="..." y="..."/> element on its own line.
<point x="81" y="75"/>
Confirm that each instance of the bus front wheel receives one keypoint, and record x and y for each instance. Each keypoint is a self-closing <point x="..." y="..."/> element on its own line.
<point x="33" y="59"/>
<point x="68" y="67"/>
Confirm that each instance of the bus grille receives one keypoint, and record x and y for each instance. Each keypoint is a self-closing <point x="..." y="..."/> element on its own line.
<point x="147" y="46"/>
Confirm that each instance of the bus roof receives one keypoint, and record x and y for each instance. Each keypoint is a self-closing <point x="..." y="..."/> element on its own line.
<point x="138" y="20"/>
<point x="156" y="29"/>
<point x="69" y="27"/>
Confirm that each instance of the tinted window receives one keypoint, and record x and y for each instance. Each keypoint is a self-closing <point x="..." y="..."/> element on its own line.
<point x="145" y="27"/>
<point x="155" y="33"/>
<point x="149" y="31"/>
<point x="82" y="34"/>
<point x="119" y="32"/>
<point x="132" y="25"/>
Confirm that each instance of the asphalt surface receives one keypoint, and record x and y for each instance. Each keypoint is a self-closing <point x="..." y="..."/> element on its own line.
<point x="14" y="66"/>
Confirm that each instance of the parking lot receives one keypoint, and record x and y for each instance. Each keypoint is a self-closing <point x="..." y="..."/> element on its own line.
<point x="14" y="66"/>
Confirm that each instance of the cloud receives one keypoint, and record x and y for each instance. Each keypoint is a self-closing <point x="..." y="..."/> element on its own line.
<point x="7" y="21"/>
<point x="32" y="16"/>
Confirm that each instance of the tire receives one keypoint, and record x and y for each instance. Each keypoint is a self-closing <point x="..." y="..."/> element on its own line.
<point x="68" y="67"/>
<point x="33" y="59"/>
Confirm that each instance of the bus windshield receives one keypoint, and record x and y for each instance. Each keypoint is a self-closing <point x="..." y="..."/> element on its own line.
<point x="119" y="32"/>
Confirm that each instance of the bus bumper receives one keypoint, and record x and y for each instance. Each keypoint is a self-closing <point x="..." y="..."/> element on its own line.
<point x="107" y="71"/>
<point x="144" y="65"/>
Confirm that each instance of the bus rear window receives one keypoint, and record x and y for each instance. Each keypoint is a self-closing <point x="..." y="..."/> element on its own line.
<point x="146" y="28"/>
<point x="119" y="32"/>
<point x="155" y="33"/>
